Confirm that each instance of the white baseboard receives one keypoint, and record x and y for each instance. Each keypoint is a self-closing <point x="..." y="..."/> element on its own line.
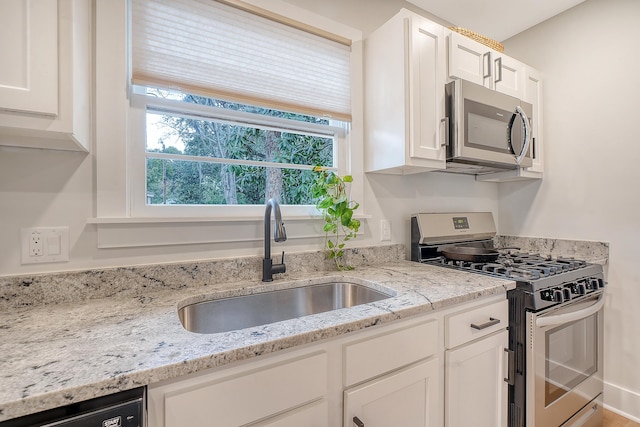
<point x="622" y="401"/>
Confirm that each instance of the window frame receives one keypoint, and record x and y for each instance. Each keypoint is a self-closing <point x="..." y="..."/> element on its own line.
<point x="139" y="105"/>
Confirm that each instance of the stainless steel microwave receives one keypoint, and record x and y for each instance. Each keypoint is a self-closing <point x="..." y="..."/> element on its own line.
<point x="487" y="131"/>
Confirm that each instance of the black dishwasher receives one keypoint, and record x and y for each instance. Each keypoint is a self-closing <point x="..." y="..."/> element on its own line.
<point x="123" y="409"/>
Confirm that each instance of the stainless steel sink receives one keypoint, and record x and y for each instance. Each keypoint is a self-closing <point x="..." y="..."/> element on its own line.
<point x="230" y="314"/>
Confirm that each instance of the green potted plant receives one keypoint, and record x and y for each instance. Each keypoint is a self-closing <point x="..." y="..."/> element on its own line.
<point x="332" y="200"/>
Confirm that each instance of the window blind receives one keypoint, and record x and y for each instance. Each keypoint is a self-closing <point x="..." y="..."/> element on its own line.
<point x="213" y="49"/>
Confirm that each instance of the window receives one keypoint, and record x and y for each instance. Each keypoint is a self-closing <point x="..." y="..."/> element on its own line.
<point x="259" y="104"/>
<point x="125" y="97"/>
<point x="202" y="151"/>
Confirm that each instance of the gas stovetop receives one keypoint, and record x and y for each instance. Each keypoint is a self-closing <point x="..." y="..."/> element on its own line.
<point x="544" y="281"/>
<point x="547" y="281"/>
<point x="520" y="266"/>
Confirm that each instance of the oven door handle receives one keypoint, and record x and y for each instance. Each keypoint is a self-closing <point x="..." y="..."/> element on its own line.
<point x="560" y="319"/>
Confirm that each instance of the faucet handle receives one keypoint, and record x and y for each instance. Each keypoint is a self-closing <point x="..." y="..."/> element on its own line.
<point x="279" y="268"/>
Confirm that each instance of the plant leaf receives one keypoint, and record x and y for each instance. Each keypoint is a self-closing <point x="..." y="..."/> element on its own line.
<point x="325" y="203"/>
<point x="345" y="218"/>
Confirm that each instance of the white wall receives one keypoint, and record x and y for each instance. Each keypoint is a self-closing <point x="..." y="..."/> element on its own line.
<point x="590" y="59"/>
<point x="53" y="188"/>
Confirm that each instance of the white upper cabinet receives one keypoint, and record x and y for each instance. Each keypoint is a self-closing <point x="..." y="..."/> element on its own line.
<point x="472" y="61"/>
<point x="29" y="72"/>
<point x="405" y="74"/>
<point x="45" y="78"/>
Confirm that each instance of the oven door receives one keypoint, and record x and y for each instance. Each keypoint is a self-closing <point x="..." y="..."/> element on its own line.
<point x="564" y="362"/>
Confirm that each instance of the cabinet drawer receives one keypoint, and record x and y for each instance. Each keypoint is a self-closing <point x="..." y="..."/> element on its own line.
<point x="249" y="396"/>
<point x="477" y="322"/>
<point x="384" y="353"/>
<point x="314" y="414"/>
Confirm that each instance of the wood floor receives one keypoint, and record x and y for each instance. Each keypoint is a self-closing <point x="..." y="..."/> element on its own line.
<point x="611" y="419"/>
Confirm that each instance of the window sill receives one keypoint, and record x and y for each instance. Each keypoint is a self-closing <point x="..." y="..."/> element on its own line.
<point x="130" y="232"/>
<point x="177" y="220"/>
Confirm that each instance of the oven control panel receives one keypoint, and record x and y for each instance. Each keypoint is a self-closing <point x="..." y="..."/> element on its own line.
<point x="567" y="291"/>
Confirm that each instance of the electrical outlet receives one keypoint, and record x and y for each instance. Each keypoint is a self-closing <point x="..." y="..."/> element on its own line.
<point x="385" y="230"/>
<point x="45" y="244"/>
<point x="35" y="244"/>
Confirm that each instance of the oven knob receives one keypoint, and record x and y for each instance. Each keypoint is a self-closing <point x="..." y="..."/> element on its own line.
<point x="592" y="284"/>
<point x="600" y="283"/>
<point x="558" y="295"/>
<point x="581" y="288"/>
<point x="566" y="291"/>
<point x="577" y="288"/>
<point x="546" y="295"/>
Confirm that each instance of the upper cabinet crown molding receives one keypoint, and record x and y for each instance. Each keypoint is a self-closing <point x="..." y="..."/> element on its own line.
<point x="45" y="80"/>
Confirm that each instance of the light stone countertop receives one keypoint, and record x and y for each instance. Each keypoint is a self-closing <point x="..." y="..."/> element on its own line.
<point x="56" y="354"/>
<point x="589" y="251"/>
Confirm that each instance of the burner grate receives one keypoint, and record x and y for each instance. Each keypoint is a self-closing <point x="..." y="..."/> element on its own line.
<point x="515" y="265"/>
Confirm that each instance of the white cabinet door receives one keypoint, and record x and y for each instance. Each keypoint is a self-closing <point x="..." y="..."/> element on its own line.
<point x="405" y="73"/>
<point x="472" y="61"/>
<point x="476" y="393"/>
<point x="407" y="398"/>
<point x="312" y="415"/>
<point x="45" y="76"/>
<point x="241" y="395"/>
<point x="533" y="95"/>
<point x="426" y="89"/>
<point x="468" y="59"/>
<point x="508" y="75"/>
<point x="29" y="56"/>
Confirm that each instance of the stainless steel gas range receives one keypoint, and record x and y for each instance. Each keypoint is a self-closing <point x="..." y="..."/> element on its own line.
<point x="555" y="317"/>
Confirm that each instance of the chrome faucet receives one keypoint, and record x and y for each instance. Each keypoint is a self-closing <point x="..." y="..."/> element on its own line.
<point x="279" y="235"/>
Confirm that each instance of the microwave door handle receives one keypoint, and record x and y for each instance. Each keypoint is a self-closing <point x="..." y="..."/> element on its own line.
<point x="527" y="134"/>
<point x="560" y="319"/>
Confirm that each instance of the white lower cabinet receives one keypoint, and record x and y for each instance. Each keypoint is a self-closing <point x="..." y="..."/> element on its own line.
<point x="422" y="371"/>
<point x="476" y="393"/>
<point x="408" y="398"/>
<point x="246" y="396"/>
<point x="401" y="370"/>
<point x="312" y="415"/>
<point x="476" y="365"/>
